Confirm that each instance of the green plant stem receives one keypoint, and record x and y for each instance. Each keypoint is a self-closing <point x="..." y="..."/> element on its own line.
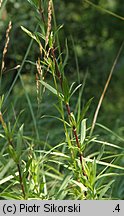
<point x="21" y="181"/>
<point x="10" y="142"/>
<point x="56" y="66"/>
<point x="77" y="140"/>
<point x="69" y="112"/>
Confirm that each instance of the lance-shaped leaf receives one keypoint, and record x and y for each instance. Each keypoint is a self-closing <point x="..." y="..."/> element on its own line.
<point x="66" y="58"/>
<point x="19" y="140"/>
<point x="50" y="88"/>
<point x="12" y="153"/>
<point x="77" y="87"/>
<point x="65" y="88"/>
<point x="1" y="101"/>
<point x="32" y="35"/>
<point x="84" y="111"/>
<point x="35" y="3"/>
<point x="83" y="131"/>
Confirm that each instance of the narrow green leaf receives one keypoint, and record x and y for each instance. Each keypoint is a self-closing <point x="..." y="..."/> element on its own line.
<point x="19" y="140"/>
<point x="1" y="135"/>
<point x="108" y="144"/>
<point x="8" y="178"/>
<point x="85" y="109"/>
<point x="75" y="90"/>
<point x="66" y="57"/>
<point x="110" y="131"/>
<point x="34" y="3"/>
<point x="109" y="175"/>
<point x="101" y="152"/>
<point x="27" y="168"/>
<point x="51" y="40"/>
<point x="63" y="188"/>
<point x="41" y="35"/>
<point x="55" y="177"/>
<point x="29" y="33"/>
<point x="49" y="87"/>
<point x="83" y="131"/>
<point x="105" y="164"/>
<point x="80" y="185"/>
<point x="65" y="87"/>
<point x="71" y="87"/>
<point x="13" y="154"/>
<point x="6" y="167"/>
<point x="32" y="35"/>
<point x="105" y="189"/>
<point x="72" y="120"/>
<point x="62" y="120"/>
<point x="93" y="172"/>
<point x="10" y="196"/>
<point x="1" y="101"/>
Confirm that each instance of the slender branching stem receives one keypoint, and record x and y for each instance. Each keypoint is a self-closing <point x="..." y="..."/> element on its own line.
<point x="77" y="139"/>
<point x="69" y="111"/>
<point x="21" y="181"/>
<point x="10" y="142"/>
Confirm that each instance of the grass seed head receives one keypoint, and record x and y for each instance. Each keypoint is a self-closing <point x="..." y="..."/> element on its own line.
<point x="49" y="21"/>
<point x="6" y="46"/>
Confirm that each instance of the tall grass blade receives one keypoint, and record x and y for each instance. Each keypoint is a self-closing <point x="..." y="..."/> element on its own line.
<point x="105" y="88"/>
<point x="104" y="10"/>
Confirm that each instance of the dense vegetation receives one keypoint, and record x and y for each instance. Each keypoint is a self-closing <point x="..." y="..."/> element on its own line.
<point x="61" y="99"/>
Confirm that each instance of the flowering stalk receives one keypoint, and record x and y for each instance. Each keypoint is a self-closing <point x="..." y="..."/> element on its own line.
<point x="6" y="46"/>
